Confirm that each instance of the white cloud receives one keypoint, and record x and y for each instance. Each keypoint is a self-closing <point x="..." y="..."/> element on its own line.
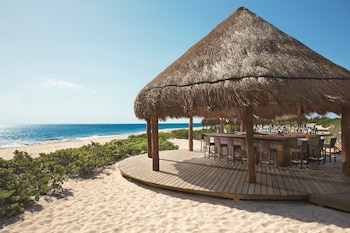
<point x="62" y="84"/>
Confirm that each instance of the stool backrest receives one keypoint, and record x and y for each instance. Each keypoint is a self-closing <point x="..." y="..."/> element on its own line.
<point x="229" y="142"/>
<point x="304" y="145"/>
<point x="207" y="140"/>
<point x="243" y="144"/>
<point x="217" y="141"/>
<point x="314" y="141"/>
<point x="332" y="142"/>
<point x="264" y="146"/>
<point x="320" y="145"/>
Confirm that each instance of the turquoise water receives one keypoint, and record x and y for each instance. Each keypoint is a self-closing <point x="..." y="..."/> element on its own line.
<point x="21" y="135"/>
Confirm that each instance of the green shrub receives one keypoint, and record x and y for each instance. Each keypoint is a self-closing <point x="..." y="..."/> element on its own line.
<point x="24" y="179"/>
<point x="14" y="193"/>
<point x="183" y="134"/>
<point x="324" y="121"/>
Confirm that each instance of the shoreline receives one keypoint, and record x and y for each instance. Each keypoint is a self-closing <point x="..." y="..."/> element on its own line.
<point x="52" y="146"/>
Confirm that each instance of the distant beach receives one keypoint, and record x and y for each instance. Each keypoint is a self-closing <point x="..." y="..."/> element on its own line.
<point x="24" y="135"/>
<point x="35" y="139"/>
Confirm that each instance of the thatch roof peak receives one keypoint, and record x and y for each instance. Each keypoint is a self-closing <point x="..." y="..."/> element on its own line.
<point x="243" y="61"/>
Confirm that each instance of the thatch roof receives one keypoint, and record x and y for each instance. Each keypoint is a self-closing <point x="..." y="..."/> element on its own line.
<point x="210" y="121"/>
<point x="245" y="61"/>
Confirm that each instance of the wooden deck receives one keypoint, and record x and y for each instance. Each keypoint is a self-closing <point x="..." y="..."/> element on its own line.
<point x="186" y="171"/>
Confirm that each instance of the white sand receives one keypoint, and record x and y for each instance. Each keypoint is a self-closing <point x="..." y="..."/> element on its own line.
<point x="110" y="203"/>
<point x="34" y="150"/>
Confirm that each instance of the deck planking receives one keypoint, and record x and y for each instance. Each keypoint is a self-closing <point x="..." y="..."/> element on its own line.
<point x="186" y="171"/>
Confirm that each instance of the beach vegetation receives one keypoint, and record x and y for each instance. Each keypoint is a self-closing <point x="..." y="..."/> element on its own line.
<point x="183" y="133"/>
<point x="333" y="126"/>
<point x="24" y="178"/>
<point x="14" y="195"/>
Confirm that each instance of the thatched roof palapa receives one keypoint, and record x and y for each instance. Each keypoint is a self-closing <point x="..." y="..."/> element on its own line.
<point x="245" y="61"/>
<point x="246" y="66"/>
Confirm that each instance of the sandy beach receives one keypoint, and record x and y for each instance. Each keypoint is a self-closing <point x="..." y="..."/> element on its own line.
<point x="111" y="203"/>
<point x="34" y="150"/>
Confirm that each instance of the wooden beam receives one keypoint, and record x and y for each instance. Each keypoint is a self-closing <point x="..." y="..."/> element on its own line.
<point x="149" y="138"/>
<point x="248" y="118"/>
<point x="190" y="134"/>
<point x="345" y="141"/>
<point x="155" y="144"/>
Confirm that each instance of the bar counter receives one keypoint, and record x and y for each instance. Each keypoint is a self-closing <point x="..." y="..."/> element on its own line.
<point x="282" y="143"/>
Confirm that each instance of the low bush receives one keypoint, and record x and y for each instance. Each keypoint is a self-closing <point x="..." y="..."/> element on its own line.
<point x="24" y="179"/>
<point x="183" y="134"/>
<point x="324" y="121"/>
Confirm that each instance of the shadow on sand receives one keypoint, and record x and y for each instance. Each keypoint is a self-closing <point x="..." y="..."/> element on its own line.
<point x="298" y="210"/>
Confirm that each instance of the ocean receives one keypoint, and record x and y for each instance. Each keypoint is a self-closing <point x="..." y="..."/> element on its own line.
<point x="21" y="135"/>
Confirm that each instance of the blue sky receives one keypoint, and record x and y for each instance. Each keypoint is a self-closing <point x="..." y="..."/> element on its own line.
<point x="84" y="61"/>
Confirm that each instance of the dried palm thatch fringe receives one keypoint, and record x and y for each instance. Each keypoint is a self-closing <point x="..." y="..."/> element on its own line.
<point x="245" y="61"/>
<point x="210" y="121"/>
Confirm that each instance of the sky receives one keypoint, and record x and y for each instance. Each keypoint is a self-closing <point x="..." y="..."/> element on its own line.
<point x="84" y="61"/>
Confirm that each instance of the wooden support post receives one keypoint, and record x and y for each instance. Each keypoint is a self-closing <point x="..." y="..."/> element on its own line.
<point x="345" y="141"/>
<point x="300" y="115"/>
<point x="242" y="128"/>
<point x="149" y="138"/>
<point x="190" y="134"/>
<point x="222" y="127"/>
<point x="248" y="117"/>
<point x="155" y="144"/>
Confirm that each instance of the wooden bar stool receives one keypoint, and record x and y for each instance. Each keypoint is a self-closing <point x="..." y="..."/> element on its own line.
<point x="265" y="154"/>
<point x="233" y="150"/>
